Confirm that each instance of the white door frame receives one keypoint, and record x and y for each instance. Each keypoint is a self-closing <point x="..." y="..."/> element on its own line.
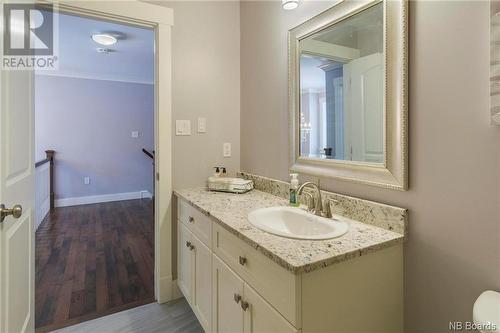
<point x="161" y="20"/>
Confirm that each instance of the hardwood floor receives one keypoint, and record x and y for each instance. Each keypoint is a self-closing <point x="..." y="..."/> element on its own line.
<point x="93" y="260"/>
<point x="173" y="317"/>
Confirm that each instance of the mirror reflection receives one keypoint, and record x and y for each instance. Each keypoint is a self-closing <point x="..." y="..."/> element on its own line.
<point x="341" y="90"/>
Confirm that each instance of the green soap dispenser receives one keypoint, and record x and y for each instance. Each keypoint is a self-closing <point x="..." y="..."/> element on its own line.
<point x="294" y="185"/>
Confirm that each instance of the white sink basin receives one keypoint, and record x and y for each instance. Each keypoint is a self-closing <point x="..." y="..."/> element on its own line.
<point x="296" y="223"/>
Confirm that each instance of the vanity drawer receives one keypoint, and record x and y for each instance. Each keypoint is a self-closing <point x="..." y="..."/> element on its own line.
<point x="197" y="222"/>
<point x="278" y="286"/>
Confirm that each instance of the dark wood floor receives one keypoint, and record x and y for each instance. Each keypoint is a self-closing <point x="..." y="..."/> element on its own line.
<point x="93" y="260"/>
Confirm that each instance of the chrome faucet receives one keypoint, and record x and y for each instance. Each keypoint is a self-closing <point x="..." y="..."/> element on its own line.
<point x="318" y="202"/>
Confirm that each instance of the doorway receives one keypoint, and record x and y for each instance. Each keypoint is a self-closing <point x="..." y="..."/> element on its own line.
<point x="94" y="117"/>
<point x="18" y="170"/>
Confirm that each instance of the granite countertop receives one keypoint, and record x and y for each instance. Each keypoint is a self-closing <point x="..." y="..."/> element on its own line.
<point x="297" y="256"/>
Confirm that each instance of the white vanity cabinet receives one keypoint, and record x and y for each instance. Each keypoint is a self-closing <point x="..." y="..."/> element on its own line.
<point x="237" y="308"/>
<point x="194" y="260"/>
<point x="227" y="296"/>
<point x="233" y="287"/>
<point x="184" y="261"/>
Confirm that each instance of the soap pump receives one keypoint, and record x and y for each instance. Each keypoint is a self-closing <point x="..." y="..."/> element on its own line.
<point x="294" y="185"/>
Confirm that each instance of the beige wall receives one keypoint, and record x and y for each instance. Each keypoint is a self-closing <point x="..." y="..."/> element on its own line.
<point x="453" y="251"/>
<point x="205" y="83"/>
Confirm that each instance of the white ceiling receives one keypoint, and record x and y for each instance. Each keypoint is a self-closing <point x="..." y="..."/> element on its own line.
<point x="131" y="59"/>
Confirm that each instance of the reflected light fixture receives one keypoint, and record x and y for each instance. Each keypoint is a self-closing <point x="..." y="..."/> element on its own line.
<point x="104" y="39"/>
<point x="289" y="4"/>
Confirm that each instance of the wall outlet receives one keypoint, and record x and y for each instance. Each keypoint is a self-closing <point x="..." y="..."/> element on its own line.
<point x="183" y="127"/>
<point x="86" y="180"/>
<point x="202" y="125"/>
<point x="135" y="134"/>
<point x="226" y="149"/>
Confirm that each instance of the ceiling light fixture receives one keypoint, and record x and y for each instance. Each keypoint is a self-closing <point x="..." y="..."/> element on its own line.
<point x="104" y="39"/>
<point x="289" y="4"/>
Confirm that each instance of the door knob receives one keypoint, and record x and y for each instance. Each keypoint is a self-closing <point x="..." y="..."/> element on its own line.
<point x="15" y="211"/>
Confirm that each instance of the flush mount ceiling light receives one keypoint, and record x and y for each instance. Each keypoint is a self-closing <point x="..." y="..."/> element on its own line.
<point x="289" y="4"/>
<point x="104" y="39"/>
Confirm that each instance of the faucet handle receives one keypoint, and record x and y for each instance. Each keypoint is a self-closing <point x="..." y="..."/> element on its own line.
<point x="310" y="201"/>
<point x="327" y="212"/>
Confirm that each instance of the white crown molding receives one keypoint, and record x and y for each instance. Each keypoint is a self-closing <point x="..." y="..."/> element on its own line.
<point x="75" y="201"/>
<point x="92" y="76"/>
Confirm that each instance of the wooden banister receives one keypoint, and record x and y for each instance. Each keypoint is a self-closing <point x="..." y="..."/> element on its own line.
<point x="49" y="158"/>
<point x="151" y="154"/>
<point x="148" y="153"/>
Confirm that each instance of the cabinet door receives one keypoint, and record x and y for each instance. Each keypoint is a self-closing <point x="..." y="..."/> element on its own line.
<point x="261" y="317"/>
<point x="202" y="292"/>
<point x="184" y="262"/>
<point x="227" y="287"/>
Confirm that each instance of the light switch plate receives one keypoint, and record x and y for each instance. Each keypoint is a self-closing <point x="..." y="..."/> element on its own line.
<point x="182" y="127"/>
<point x="135" y="134"/>
<point x="226" y="149"/>
<point x="202" y="125"/>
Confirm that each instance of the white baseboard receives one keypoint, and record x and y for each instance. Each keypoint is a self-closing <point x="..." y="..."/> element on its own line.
<point x="64" y="202"/>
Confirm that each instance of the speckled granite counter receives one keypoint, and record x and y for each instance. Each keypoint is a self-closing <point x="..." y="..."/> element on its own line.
<point x="297" y="256"/>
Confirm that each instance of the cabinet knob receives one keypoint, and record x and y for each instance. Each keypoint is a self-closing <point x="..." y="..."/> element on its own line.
<point x="188" y="244"/>
<point x="243" y="261"/>
<point x="191" y="219"/>
<point x="237" y="298"/>
<point x="191" y="247"/>
<point x="244" y="305"/>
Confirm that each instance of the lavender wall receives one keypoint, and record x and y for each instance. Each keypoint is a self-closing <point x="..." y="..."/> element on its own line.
<point x="89" y="123"/>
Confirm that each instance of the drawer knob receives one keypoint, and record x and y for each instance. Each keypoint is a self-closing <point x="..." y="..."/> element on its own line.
<point x="244" y="305"/>
<point x="188" y="244"/>
<point x="191" y="219"/>
<point x="243" y="261"/>
<point x="237" y="298"/>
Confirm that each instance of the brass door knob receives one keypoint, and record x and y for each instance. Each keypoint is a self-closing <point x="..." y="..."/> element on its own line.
<point x="15" y="211"/>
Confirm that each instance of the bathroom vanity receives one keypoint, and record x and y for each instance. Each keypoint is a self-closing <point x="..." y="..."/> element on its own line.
<point x="238" y="278"/>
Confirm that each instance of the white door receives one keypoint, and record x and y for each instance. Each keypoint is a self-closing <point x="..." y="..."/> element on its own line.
<point x="227" y="298"/>
<point x="184" y="262"/>
<point x="261" y="317"/>
<point x="17" y="188"/>
<point x="202" y="291"/>
<point x="363" y="109"/>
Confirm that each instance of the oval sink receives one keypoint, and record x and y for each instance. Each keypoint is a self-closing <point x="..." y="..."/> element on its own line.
<point x="296" y="223"/>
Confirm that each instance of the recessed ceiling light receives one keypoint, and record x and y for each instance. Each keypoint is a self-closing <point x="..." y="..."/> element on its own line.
<point x="289" y="4"/>
<point x="104" y="39"/>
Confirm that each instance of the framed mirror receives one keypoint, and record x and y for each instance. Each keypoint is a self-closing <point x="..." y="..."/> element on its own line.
<point x="348" y="93"/>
